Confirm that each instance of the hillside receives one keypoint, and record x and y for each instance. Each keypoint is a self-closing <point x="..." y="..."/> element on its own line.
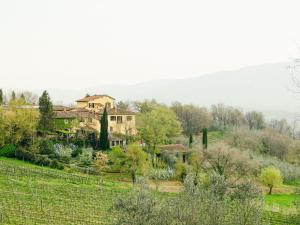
<point x="36" y="195"/>
<point x="265" y="88"/>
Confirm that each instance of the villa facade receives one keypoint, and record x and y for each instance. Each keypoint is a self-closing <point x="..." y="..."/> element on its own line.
<point x="86" y="114"/>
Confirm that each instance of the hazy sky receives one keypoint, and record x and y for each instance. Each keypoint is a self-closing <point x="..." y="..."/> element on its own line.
<point x="71" y="43"/>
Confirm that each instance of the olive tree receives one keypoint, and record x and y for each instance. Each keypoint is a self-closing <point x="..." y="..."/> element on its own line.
<point x="158" y="126"/>
<point x="271" y="177"/>
<point x="136" y="160"/>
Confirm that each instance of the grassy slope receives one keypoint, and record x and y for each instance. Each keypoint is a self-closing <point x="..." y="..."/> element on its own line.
<point x="35" y="195"/>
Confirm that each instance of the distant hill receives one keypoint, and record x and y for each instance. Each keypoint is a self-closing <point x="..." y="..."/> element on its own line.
<point x="264" y="87"/>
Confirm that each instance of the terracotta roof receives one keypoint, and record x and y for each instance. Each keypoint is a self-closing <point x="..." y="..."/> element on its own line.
<point x="116" y="111"/>
<point x="75" y="114"/>
<point x="173" y="148"/>
<point x="93" y="97"/>
<point x="61" y="108"/>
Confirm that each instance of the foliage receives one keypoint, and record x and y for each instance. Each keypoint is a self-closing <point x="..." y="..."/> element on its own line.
<point x="276" y="144"/>
<point x="146" y="106"/>
<point x="226" y="116"/>
<point x="229" y="162"/>
<point x="136" y="160"/>
<point x="157" y="175"/>
<point x="193" y="119"/>
<point x="255" y="120"/>
<point x="289" y="171"/>
<point x="86" y="157"/>
<point x="1" y="97"/>
<point x="271" y="177"/>
<point x="46" y="147"/>
<point x="191" y="140"/>
<point x="126" y="106"/>
<point x="46" y="113"/>
<point x="204" y="138"/>
<point x="92" y="140"/>
<point x="282" y="126"/>
<point x="196" y="205"/>
<point x="158" y="126"/>
<point x="8" y="150"/>
<point x="103" y="141"/>
<point x="181" y="170"/>
<point x="243" y="138"/>
<point x="17" y="126"/>
<point x="116" y="159"/>
<point x="64" y="153"/>
<point x="100" y="162"/>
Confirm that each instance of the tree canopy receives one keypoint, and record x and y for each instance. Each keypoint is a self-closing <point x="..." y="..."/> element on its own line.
<point x="193" y="118"/>
<point x="157" y="126"/>
<point x="46" y="113"/>
<point x="104" y="142"/>
<point x="271" y="177"/>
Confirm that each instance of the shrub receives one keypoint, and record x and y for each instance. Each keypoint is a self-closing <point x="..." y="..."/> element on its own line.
<point x="196" y="205"/>
<point x="116" y="159"/>
<point x="55" y="164"/>
<point x="289" y="171"/>
<point x="86" y="157"/>
<point x="41" y="160"/>
<point x="157" y="175"/>
<point x="100" y="161"/>
<point x="64" y="153"/>
<point x="76" y="152"/>
<point x="8" y="150"/>
<point x="46" y="147"/>
<point x="24" y="154"/>
<point x="181" y="170"/>
<point x="271" y="177"/>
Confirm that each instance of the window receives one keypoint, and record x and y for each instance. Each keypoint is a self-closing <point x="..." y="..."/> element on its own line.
<point x="111" y="129"/>
<point x="119" y="119"/>
<point x="91" y="105"/>
<point x="129" y="118"/>
<point x="112" y="143"/>
<point x="113" y="118"/>
<point x="108" y="105"/>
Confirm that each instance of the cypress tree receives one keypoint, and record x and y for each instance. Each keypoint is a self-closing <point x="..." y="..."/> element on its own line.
<point x="22" y="97"/>
<point x="191" y="140"/>
<point x="46" y="113"/>
<point x="13" y="95"/>
<point x="1" y="97"/>
<point x="204" y="138"/>
<point x="104" y="142"/>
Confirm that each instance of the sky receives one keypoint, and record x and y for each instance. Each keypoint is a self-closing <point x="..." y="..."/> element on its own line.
<point x="77" y="44"/>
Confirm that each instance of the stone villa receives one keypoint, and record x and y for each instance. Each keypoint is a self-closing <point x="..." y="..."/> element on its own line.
<point x="87" y="112"/>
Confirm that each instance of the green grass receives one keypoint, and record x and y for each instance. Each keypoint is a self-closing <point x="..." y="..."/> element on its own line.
<point x="281" y="200"/>
<point x="34" y="195"/>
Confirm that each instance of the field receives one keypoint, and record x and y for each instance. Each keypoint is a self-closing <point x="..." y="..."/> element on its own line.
<point x="35" y="195"/>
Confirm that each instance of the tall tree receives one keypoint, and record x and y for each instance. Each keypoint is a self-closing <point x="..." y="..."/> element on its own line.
<point x="255" y="120"/>
<point x="1" y="97"/>
<point x="158" y="126"/>
<point x="46" y="113"/>
<point x="13" y="95"/>
<point x="204" y="138"/>
<point x="104" y="142"/>
<point x="192" y="118"/>
<point x="22" y="97"/>
<point x="191" y="141"/>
